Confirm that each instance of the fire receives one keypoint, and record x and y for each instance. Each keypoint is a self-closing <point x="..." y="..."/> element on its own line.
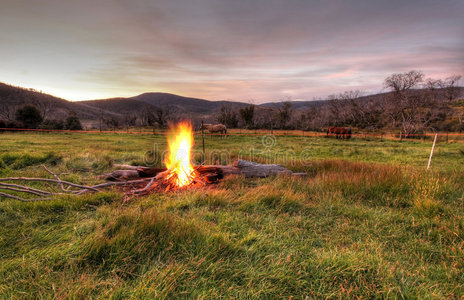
<point x="178" y="160"/>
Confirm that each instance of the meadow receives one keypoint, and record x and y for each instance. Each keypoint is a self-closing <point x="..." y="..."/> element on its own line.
<point x="369" y="221"/>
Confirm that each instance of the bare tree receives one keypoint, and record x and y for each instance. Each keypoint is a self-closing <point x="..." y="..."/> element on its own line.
<point x="45" y="106"/>
<point x="265" y="117"/>
<point x="228" y="116"/>
<point x="285" y="113"/>
<point x="7" y="111"/>
<point x="163" y="115"/>
<point x="129" y="120"/>
<point x="247" y="115"/>
<point x="111" y="122"/>
<point x="403" y="106"/>
<point x="400" y="82"/>
<point x="450" y="85"/>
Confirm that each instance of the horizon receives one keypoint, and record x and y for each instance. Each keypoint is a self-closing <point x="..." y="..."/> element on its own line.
<point x="326" y="98"/>
<point x="259" y="52"/>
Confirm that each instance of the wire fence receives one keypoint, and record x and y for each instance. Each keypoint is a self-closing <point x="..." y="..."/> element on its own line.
<point x="443" y="136"/>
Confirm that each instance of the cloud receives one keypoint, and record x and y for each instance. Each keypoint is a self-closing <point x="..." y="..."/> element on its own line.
<point x="267" y="49"/>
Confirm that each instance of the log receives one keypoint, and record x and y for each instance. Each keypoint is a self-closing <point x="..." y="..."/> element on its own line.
<point x="133" y="172"/>
<point x="121" y="175"/>
<point x="211" y="173"/>
<point x="252" y="169"/>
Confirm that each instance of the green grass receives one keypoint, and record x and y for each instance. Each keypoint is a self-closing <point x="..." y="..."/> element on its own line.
<point x="368" y="221"/>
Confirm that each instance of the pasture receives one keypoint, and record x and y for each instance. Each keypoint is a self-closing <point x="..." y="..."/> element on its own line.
<point x="368" y="221"/>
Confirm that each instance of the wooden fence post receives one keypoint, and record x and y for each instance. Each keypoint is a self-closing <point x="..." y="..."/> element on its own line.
<point x="431" y="152"/>
<point x="203" y="141"/>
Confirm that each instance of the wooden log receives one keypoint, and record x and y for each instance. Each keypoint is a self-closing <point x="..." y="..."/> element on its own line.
<point x="252" y="169"/>
<point x="126" y="167"/>
<point x="212" y="173"/>
<point x="121" y="175"/>
<point x="149" y="172"/>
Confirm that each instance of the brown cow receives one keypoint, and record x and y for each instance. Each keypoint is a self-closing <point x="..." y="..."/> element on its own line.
<point x="340" y="132"/>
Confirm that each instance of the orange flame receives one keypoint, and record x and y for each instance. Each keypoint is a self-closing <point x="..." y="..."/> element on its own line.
<point x="180" y="143"/>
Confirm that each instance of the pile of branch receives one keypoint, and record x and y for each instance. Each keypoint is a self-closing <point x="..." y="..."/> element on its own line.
<point x="56" y="187"/>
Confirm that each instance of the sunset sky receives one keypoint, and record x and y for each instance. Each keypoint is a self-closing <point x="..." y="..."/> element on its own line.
<point x="241" y="50"/>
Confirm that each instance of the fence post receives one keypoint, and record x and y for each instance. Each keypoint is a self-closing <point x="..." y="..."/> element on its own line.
<point x="203" y="141"/>
<point x="431" y="152"/>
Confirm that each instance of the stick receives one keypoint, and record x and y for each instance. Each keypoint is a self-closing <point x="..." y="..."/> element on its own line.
<point x="56" y="177"/>
<point x="146" y="187"/>
<point x="431" y="152"/>
<point x="106" y="184"/>
<point x="20" y="190"/>
<point x="48" y="180"/>
<point x="24" y="187"/>
<point x="22" y="199"/>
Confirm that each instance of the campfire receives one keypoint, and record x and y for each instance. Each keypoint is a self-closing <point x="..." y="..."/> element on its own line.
<point x="180" y="171"/>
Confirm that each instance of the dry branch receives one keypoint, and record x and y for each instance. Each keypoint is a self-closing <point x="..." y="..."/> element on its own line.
<point x="56" y="177"/>
<point x="22" y="199"/>
<point x="48" y="180"/>
<point x="20" y="190"/>
<point x="32" y="190"/>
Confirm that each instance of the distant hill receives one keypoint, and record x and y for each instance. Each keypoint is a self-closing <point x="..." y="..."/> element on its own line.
<point x="90" y="112"/>
<point x="185" y="104"/>
<point x="296" y="104"/>
<point x="12" y="97"/>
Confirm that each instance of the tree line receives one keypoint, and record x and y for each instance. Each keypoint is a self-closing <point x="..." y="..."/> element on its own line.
<point x="412" y="104"/>
<point x="31" y="117"/>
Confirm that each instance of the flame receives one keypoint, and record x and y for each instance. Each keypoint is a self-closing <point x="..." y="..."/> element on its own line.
<point x="178" y="160"/>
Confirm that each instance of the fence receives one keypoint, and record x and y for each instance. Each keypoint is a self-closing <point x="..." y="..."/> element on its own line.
<point x="443" y="136"/>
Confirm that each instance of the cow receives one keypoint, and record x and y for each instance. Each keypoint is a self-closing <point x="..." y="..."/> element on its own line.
<point x="339" y="132"/>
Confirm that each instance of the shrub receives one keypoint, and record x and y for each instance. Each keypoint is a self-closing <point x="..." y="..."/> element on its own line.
<point x="29" y="115"/>
<point x="73" y="123"/>
<point x="52" y="124"/>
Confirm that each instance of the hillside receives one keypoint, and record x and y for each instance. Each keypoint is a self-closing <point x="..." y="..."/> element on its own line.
<point x="186" y="104"/>
<point x="311" y="115"/>
<point x="11" y="98"/>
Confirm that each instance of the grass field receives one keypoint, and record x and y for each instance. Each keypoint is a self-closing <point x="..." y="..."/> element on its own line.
<point x="368" y="221"/>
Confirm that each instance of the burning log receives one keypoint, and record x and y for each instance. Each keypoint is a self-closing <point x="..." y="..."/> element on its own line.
<point x="180" y="171"/>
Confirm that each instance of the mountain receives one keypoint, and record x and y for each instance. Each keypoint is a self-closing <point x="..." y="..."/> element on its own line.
<point x="179" y="104"/>
<point x="92" y="112"/>
<point x="185" y="104"/>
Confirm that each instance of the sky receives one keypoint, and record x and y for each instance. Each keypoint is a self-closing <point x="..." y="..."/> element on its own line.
<point x="241" y="50"/>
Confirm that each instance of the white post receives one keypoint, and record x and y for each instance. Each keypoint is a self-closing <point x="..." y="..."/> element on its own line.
<point x="431" y="152"/>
